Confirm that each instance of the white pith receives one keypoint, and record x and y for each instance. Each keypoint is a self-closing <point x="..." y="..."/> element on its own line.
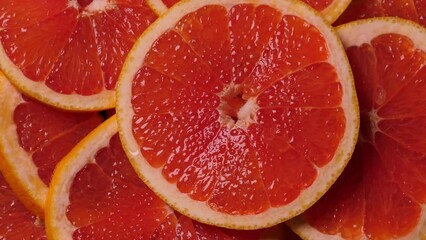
<point x="200" y="211"/>
<point x="355" y="34"/>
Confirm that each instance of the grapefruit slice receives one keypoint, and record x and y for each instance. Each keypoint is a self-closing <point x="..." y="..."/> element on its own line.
<point x="239" y="122"/>
<point x="329" y="9"/>
<point x="96" y="194"/>
<point x="407" y="9"/>
<point x="68" y="53"/>
<point x="382" y="192"/>
<point x="16" y="221"/>
<point x="34" y="138"/>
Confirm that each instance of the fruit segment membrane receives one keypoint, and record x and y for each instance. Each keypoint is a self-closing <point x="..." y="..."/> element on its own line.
<point x="48" y="134"/>
<point x="383" y="190"/>
<point x="74" y="47"/>
<point x="107" y="194"/>
<point x="244" y="105"/>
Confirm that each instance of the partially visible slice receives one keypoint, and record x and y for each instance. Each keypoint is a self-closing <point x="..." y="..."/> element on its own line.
<point x="382" y="192"/>
<point x="329" y="9"/>
<point x="33" y="139"/>
<point x="69" y="53"/>
<point x="16" y="221"/>
<point x="95" y="194"/>
<point x="361" y="9"/>
<point x="238" y="122"/>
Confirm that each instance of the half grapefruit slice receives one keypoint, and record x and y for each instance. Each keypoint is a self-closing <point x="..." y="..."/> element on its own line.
<point x="382" y="192"/>
<point x="34" y="138"/>
<point x="329" y="9"/>
<point x="68" y="53"/>
<point x="96" y="194"/>
<point x="239" y="122"/>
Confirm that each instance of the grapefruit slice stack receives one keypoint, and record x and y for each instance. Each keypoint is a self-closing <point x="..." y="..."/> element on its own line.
<point x="381" y="194"/>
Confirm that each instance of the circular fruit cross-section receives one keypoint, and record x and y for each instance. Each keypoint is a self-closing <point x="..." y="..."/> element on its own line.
<point x="68" y="53"/>
<point x="96" y="194"/>
<point x="239" y="114"/>
<point x="382" y="192"/>
<point x="329" y="9"/>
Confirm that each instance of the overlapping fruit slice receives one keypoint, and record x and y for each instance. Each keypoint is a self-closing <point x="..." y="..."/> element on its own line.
<point x="360" y="9"/>
<point x="68" y="53"/>
<point x="238" y="114"/>
<point x="16" y="221"/>
<point x="95" y="194"/>
<point x="382" y="192"/>
<point x="34" y="138"/>
<point x="329" y="9"/>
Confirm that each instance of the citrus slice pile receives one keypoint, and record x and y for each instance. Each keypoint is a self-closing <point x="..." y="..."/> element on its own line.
<point x="34" y="137"/>
<point x="361" y="9"/>
<point x="329" y="9"/>
<point x="382" y="192"/>
<point x="219" y="113"/>
<point x="95" y="188"/>
<point x="68" y="53"/>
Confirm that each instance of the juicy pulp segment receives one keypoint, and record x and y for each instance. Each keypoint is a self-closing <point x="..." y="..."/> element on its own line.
<point x="17" y="221"/>
<point x="48" y="134"/>
<point x="388" y="167"/>
<point x="107" y="194"/>
<point x="182" y="120"/>
<point x="71" y="50"/>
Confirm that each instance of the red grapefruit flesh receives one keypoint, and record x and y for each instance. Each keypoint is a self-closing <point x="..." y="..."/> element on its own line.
<point x="96" y="194"/>
<point x="16" y="221"/>
<point x="382" y="192"/>
<point x="69" y="53"/>
<point x="329" y="9"/>
<point x="34" y="139"/>
<point x="225" y="110"/>
<point x="408" y="9"/>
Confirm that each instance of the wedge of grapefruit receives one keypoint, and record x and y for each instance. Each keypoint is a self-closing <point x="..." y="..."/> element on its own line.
<point x="34" y="137"/>
<point x="239" y="122"/>
<point x="407" y="9"/>
<point x="68" y="53"/>
<point x="329" y="9"/>
<point x="96" y="194"/>
<point x="16" y="221"/>
<point x="382" y="192"/>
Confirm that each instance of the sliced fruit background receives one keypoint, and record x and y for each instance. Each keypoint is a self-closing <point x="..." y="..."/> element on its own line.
<point x="34" y="138"/>
<point x="361" y="9"/>
<point x="381" y="194"/>
<point x="95" y="188"/>
<point x="329" y="9"/>
<point x="69" y="53"/>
